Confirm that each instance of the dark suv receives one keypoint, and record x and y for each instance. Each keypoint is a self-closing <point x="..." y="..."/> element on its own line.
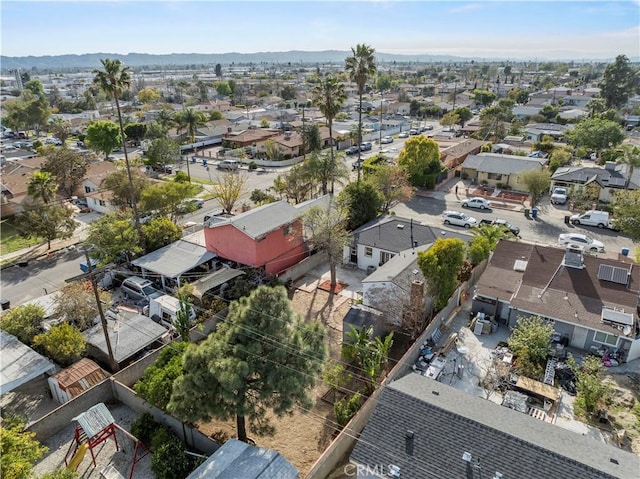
<point x="352" y="150"/>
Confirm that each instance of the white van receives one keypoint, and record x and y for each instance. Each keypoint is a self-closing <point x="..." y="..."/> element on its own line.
<point x="592" y="218"/>
<point x="228" y="165"/>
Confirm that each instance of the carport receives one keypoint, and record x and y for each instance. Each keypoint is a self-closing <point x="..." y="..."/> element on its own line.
<point x="214" y="280"/>
<point x="171" y="262"/>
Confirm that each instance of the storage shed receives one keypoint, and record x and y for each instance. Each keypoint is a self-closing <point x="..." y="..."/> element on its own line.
<point x="75" y="380"/>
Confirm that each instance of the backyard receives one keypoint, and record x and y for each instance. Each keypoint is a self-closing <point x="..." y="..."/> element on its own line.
<point x="11" y="240"/>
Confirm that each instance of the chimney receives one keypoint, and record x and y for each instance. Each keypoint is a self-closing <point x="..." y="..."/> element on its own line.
<point x="408" y="442"/>
<point x="417" y="295"/>
<point x="228" y="130"/>
<point x="573" y="257"/>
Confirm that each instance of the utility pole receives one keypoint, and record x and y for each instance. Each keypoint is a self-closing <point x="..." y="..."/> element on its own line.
<point x="103" y="319"/>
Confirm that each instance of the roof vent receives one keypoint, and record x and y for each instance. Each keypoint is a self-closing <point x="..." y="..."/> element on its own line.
<point x="573" y="257"/>
<point x="520" y="265"/>
<point x="614" y="461"/>
<point x="400" y="226"/>
<point x="394" y="471"/>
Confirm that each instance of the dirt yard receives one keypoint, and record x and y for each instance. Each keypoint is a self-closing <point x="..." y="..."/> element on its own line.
<point x="302" y="437"/>
<point x="624" y="411"/>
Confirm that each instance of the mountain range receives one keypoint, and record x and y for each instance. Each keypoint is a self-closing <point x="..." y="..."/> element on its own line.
<point x="92" y="60"/>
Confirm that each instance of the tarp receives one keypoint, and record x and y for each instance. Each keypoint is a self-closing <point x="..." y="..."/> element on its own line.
<point x="213" y="280"/>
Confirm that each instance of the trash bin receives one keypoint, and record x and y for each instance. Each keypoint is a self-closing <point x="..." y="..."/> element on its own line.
<point x="534" y="213"/>
<point x="526" y="212"/>
<point x="624" y="251"/>
<point x="567" y="219"/>
<point x="5" y="304"/>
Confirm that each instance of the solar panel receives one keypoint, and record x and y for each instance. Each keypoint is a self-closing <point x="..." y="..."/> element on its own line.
<point x="613" y="274"/>
<point x="620" y="275"/>
<point x="605" y="272"/>
<point x="614" y="181"/>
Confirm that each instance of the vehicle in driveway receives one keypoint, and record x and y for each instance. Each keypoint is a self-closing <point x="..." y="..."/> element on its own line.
<point x="386" y="140"/>
<point x="136" y="288"/>
<point x="458" y="218"/>
<point x="515" y="230"/>
<point x="559" y="196"/>
<point x="587" y="242"/>
<point x="479" y="203"/>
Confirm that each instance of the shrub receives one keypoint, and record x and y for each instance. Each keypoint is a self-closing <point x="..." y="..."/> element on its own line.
<point x="156" y="384"/>
<point x="23" y="322"/>
<point x="61" y="473"/>
<point x="19" y="449"/>
<point x="169" y="460"/>
<point x="144" y="427"/>
<point x="253" y="165"/>
<point x="64" y="343"/>
<point x="346" y="408"/>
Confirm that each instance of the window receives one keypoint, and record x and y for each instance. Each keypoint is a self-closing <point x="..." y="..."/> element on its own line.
<point x="604" y="338"/>
<point x="384" y="257"/>
<point x="287" y="230"/>
<point x="495" y="176"/>
<point x="368" y="251"/>
<point x="102" y="203"/>
<point x="87" y="189"/>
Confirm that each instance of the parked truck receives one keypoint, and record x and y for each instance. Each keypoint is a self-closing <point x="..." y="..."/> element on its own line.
<point x="592" y="218"/>
<point x="559" y="196"/>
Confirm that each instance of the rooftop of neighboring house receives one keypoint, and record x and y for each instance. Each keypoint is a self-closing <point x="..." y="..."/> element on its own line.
<point x="612" y="175"/>
<point x="17" y="174"/>
<point x="502" y="164"/>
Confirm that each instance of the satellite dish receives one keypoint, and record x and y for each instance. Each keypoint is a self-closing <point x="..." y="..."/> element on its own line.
<point x="626" y="330"/>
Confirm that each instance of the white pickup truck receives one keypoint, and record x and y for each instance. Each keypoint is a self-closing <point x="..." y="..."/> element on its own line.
<point x="559" y="196"/>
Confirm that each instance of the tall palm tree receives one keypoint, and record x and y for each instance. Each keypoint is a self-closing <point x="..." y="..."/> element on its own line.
<point x="329" y="96"/>
<point x="189" y="120"/>
<point x="361" y="65"/>
<point x="43" y="185"/>
<point x="113" y="80"/>
<point x="631" y="158"/>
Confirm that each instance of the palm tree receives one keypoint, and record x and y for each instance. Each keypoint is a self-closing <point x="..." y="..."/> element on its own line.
<point x="189" y="120"/>
<point x="113" y="80"/>
<point x="329" y="96"/>
<point x="492" y="233"/>
<point x="360" y="66"/>
<point x="43" y="185"/>
<point x="326" y="170"/>
<point x="631" y="158"/>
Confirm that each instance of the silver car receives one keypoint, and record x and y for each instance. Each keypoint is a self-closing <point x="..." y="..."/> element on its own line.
<point x="137" y="288"/>
<point x="458" y="219"/>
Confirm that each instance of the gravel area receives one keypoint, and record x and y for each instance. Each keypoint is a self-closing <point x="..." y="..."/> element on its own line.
<point x="105" y="454"/>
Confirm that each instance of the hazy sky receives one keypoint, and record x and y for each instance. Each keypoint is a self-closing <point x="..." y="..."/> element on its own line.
<point x="517" y="29"/>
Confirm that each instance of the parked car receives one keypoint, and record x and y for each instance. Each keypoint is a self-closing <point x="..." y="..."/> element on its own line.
<point x="352" y="150"/>
<point x="366" y="146"/>
<point x="228" y="165"/>
<point x="477" y="202"/>
<point x="137" y="288"/>
<point x="588" y="243"/>
<point x="386" y="140"/>
<point x="592" y="218"/>
<point x="404" y="134"/>
<point x="190" y="205"/>
<point x="499" y="222"/>
<point x="52" y="141"/>
<point x="414" y="132"/>
<point x="427" y="128"/>
<point x="457" y="218"/>
<point x="163" y="168"/>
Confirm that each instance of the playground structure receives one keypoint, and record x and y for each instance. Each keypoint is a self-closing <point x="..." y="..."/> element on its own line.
<point x="93" y="427"/>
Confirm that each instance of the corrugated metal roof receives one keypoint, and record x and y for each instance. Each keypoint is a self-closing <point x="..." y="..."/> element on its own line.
<point x="71" y="379"/>
<point x="175" y="259"/>
<point x="20" y="364"/>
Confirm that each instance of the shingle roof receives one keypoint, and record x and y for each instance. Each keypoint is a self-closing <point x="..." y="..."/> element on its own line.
<point x="446" y="423"/>
<point x="264" y="219"/>
<point x="502" y="164"/>
<point x="585" y="174"/>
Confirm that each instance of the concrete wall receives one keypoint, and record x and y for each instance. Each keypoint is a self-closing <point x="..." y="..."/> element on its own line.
<point x="303" y="267"/>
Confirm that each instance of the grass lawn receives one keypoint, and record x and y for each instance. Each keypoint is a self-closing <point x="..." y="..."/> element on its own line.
<point x="10" y="239"/>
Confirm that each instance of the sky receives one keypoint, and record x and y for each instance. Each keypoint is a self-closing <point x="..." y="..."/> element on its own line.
<point x="487" y="29"/>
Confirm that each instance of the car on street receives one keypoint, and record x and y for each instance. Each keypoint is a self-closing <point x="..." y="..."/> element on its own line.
<point x="228" y="165"/>
<point x="515" y="230"/>
<point x="190" y="204"/>
<point x="427" y="128"/>
<point x="414" y="132"/>
<point x="458" y="218"/>
<point x="212" y="214"/>
<point x="386" y="140"/>
<point x="52" y="141"/>
<point x="366" y="146"/>
<point x="587" y="242"/>
<point x="477" y="202"/>
<point x="404" y="134"/>
<point x="352" y="150"/>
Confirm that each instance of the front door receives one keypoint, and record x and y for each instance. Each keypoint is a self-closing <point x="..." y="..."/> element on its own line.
<point x="354" y="255"/>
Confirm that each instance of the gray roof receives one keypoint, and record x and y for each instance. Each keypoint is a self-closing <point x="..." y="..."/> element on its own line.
<point x="502" y="164"/>
<point x="131" y="333"/>
<point x="394" y="234"/>
<point x="404" y="262"/>
<point x="213" y="280"/>
<point x="20" y="364"/>
<point x="238" y="460"/>
<point x="264" y="219"/>
<point x="613" y="178"/>
<point x="446" y="423"/>
<point x="175" y="259"/>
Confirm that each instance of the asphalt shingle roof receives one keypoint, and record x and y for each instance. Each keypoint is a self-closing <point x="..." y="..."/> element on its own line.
<point x="446" y="423"/>
<point x="502" y="164"/>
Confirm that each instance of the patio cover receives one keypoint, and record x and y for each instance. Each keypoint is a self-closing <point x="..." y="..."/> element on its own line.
<point x="214" y="280"/>
<point x="538" y="388"/>
<point x="175" y="259"/>
<point x="20" y="364"/>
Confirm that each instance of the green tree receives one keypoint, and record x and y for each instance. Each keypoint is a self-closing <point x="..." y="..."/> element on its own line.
<point x="518" y="95"/>
<point x="169" y="460"/>
<point x="492" y="233"/>
<point x="449" y="119"/>
<point x="383" y="82"/>
<point x="419" y="159"/>
<point x="360" y="66"/>
<point x="537" y="183"/>
<point x="215" y="115"/>
<point x="626" y="206"/>
<point x="227" y="190"/>
<point x="182" y="323"/>
<point x="120" y="187"/>
<point x="312" y="138"/>
<point x="114" y="237"/>
<point x="149" y="95"/>
<point x="618" y="82"/>
<point x="50" y="222"/>
<point x="218" y="70"/>
<point x="479" y="249"/>
<point x="366" y="353"/>
<point x="103" y="136"/>
<point x="223" y="88"/>
<point x="64" y="343"/>
<point x="162" y="152"/>
<point x="60" y="473"/>
<point x="115" y="80"/>
<point x="42" y="187"/>
<point x="484" y="97"/>
<point x="328" y="234"/>
<point x="160" y="231"/>
<point x="60" y="128"/>
<point x="135" y="132"/>
<point x="596" y="106"/>
<point x="392" y="183"/>
<point x="297" y="185"/>
<point x="492" y="122"/>
<point x="464" y="115"/>
<point x="592" y="392"/>
<point x="328" y="95"/>
<point x="20" y="449"/>
<point x="346" y="408"/>
<point x="23" y="321"/>
<point x="155" y="384"/>
<point x="76" y="304"/>
<point x="67" y="166"/>
<point x="189" y="121"/>
<point x="559" y="157"/>
<point x="288" y="92"/>
<point x="327" y="170"/>
<point x="36" y="105"/>
<point x="166" y="198"/>
<point x="596" y="134"/>
<point x="529" y="342"/>
<point x="362" y="202"/>
<point x="263" y="357"/>
<point x="440" y="265"/>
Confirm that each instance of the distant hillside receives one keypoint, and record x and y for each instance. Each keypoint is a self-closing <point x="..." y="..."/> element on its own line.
<point x="92" y="60"/>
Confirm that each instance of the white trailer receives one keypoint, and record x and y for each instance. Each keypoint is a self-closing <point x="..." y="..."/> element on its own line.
<point x="164" y="310"/>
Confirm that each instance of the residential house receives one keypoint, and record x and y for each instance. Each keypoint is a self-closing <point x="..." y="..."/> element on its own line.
<point x="238" y="459"/>
<point x="597" y="182"/>
<point x="250" y="137"/>
<point x="573" y="114"/>
<point x="455" y="154"/>
<point x="20" y="364"/>
<point x="98" y="198"/>
<point x="592" y="301"/>
<point x="16" y="176"/>
<point x="523" y="112"/>
<point x="268" y="237"/>
<point x="74" y="380"/>
<point x="493" y="168"/>
<point x="399" y="108"/>
<point x="424" y="428"/>
<point x="536" y="131"/>
<point x="578" y="101"/>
